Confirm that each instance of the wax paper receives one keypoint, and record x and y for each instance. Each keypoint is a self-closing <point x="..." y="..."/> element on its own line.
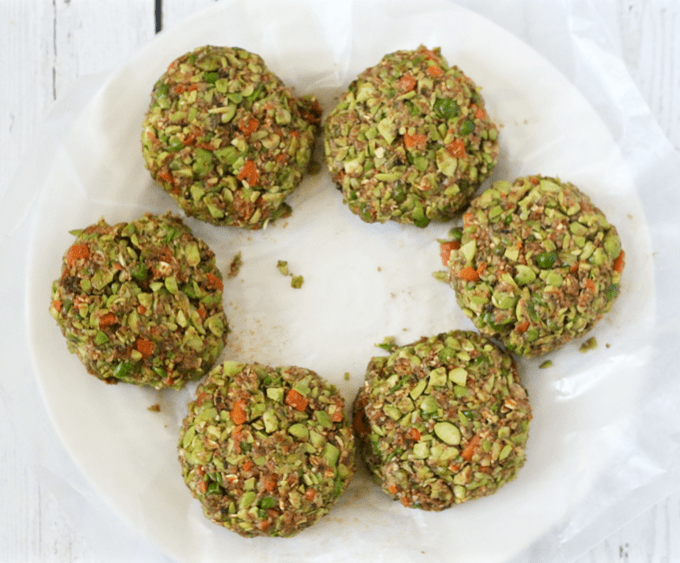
<point x="602" y="446"/>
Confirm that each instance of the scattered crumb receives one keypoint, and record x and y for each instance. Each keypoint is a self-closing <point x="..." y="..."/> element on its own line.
<point x="347" y="376"/>
<point x="388" y="343"/>
<point x="282" y="265"/>
<point x="589" y="344"/>
<point x="441" y="275"/>
<point x="155" y="408"/>
<point x="607" y="345"/>
<point x="379" y="269"/>
<point x="235" y="265"/>
<point x="297" y="281"/>
<point x="546" y="364"/>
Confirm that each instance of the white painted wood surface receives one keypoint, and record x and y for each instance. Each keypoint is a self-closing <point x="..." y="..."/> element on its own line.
<point x="46" y="44"/>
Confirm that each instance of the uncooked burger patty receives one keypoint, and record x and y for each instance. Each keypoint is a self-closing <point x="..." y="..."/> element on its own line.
<point x="410" y="140"/>
<point x="141" y="302"/>
<point x="267" y="451"/>
<point x="443" y="420"/>
<point x="538" y="264"/>
<point x="226" y="138"/>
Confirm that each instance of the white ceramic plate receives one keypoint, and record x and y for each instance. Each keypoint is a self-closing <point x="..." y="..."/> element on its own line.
<point x="362" y="283"/>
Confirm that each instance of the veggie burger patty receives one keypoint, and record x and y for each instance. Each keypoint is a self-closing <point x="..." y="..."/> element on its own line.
<point x="443" y="420"/>
<point x="141" y="302"/>
<point x="410" y="140"/>
<point x="538" y="264"/>
<point x="226" y="139"/>
<point x="267" y="451"/>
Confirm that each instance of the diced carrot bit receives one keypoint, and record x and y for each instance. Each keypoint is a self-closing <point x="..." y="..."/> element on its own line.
<point x="202" y="486"/>
<point x="457" y="148"/>
<point x="435" y="71"/>
<point x="238" y="412"/>
<point x="481" y="268"/>
<point x="445" y="249"/>
<point x="310" y="494"/>
<point x="468" y="273"/>
<point x="337" y="415"/>
<point x="296" y="400"/>
<point x="469" y="450"/>
<point x="202" y="312"/>
<point x="247" y="465"/>
<point x="417" y="141"/>
<point x="57" y="304"/>
<point x="214" y="282"/>
<point x="590" y="285"/>
<point x="393" y="489"/>
<point x="145" y="347"/>
<point x="249" y="173"/>
<point x="414" y="434"/>
<point x="165" y="176"/>
<point x="77" y="252"/>
<point x="480" y="113"/>
<point x="107" y="320"/>
<point x="249" y="126"/>
<point x="523" y="326"/>
<point x="406" y="83"/>
<point x="620" y="262"/>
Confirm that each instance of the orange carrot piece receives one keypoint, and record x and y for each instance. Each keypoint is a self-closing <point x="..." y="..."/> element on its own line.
<point x="249" y="173"/>
<point x="620" y="262"/>
<point x="435" y="71"/>
<point x="77" y="252"/>
<point x="445" y="249"/>
<point x="249" y="126"/>
<point x="238" y="412"/>
<point x="417" y="141"/>
<point x="414" y="434"/>
<point x="457" y="148"/>
<point x="468" y="274"/>
<point x="296" y="400"/>
<point x="469" y="450"/>
<point x="310" y="494"/>
<point x="107" y="320"/>
<point x="214" y="282"/>
<point x="406" y="83"/>
<point x="247" y="465"/>
<point x="523" y="326"/>
<point x="145" y="347"/>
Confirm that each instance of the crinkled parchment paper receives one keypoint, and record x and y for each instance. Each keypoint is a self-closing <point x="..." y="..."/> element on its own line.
<point x="601" y="447"/>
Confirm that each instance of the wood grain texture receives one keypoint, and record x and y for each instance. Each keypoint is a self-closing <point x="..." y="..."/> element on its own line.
<point x="47" y="44"/>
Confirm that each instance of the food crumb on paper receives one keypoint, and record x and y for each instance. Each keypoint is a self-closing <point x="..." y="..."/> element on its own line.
<point x="589" y="344"/>
<point x="155" y="408"/>
<point x="235" y="265"/>
<point x="297" y="281"/>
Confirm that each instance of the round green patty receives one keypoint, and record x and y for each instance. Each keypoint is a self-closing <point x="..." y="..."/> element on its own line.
<point x="410" y="140"/>
<point x="443" y="420"/>
<point x="226" y="138"/>
<point x="141" y="302"/>
<point x="267" y="451"/>
<point x="538" y="264"/>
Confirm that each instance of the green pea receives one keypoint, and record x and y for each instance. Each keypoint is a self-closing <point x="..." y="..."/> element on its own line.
<point x="546" y="259"/>
<point x="468" y="127"/>
<point x="612" y="291"/>
<point x="175" y="145"/>
<point x="210" y="77"/>
<point x="446" y="108"/>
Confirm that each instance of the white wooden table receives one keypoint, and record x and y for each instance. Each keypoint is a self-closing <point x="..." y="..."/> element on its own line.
<point x="46" y="44"/>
